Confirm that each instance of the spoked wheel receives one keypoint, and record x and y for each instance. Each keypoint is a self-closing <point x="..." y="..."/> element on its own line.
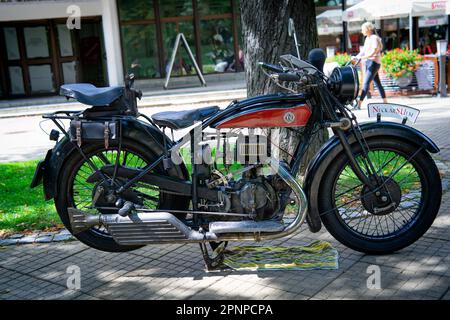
<point x="75" y="191"/>
<point x="390" y="217"/>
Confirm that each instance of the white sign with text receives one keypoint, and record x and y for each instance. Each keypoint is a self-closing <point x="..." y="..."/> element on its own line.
<point x="392" y="110"/>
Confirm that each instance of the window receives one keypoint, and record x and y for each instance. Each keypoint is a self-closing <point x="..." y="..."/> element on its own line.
<point x="41" y="78"/>
<point x="16" y="79"/>
<point x="217" y="45"/>
<point x="65" y="40"/>
<point x="139" y="41"/>
<point x="140" y="47"/>
<point x="36" y="42"/>
<point x="130" y="10"/>
<point x="208" y="7"/>
<point x="69" y="72"/>
<point x="175" y="8"/>
<point x="216" y="35"/>
<point x="12" y="46"/>
<point x="148" y="38"/>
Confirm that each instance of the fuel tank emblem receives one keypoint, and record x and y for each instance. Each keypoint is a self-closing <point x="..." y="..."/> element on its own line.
<point x="289" y="117"/>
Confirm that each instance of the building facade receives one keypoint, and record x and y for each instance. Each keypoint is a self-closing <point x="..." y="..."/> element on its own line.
<point x="44" y="44"/>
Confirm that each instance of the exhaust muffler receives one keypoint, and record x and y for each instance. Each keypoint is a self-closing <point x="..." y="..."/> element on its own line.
<point x="139" y="228"/>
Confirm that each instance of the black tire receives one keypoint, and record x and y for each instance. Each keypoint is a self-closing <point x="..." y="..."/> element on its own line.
<point x="64" y="199"/>
<point x="424" y="215"/>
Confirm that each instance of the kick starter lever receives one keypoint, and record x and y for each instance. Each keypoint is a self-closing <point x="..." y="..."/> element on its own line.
<point x="126" y="209"/>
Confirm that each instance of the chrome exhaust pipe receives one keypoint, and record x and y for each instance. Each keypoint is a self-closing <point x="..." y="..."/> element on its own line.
<point x="152" y="227"/>
<point x="80" y="221"/>
<point x="139" y="228"/>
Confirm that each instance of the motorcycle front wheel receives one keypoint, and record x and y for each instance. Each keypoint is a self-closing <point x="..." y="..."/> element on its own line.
<point x="390" y="218"/>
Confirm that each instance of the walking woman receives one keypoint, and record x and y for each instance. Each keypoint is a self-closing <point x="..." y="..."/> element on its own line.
<point x="371" y="54"/>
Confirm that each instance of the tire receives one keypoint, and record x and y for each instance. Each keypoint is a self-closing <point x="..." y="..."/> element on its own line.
<point x="96" y="238"/>
<point x="425" y="172"/>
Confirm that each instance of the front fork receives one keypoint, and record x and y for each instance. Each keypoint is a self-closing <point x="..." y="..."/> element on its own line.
<point x="356" y="167"/>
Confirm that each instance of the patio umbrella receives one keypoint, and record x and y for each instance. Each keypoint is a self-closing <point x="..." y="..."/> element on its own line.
<point x="330" y="17"/>
<point x="330" y="22"/>
<point x="428" y="7"/>
<point x="376" y="10"/>
<point x="388" y="9"/>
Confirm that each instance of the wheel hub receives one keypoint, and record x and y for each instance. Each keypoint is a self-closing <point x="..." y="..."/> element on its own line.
<point x="383" y="201"/>
<point x="104" y="196"/>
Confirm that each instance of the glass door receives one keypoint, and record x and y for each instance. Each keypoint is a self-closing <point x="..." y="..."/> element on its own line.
<point x="13" y="61"/>
<point x="38" y="57"/>
<point x="29" y="63"/>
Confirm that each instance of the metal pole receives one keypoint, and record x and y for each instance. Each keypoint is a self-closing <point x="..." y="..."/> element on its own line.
<point x="344" y="29"/>
<point x="442" y="52"/>
<point x="411" y="33"/>
<point x="442" y="76"/>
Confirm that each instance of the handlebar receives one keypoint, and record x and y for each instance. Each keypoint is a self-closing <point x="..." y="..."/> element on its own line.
<point x="292" y="77"/>
<point x="271" y="67"/>
<point x="356" y="63"/>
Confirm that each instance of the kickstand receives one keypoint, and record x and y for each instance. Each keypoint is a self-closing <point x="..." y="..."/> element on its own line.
<point x="213" y="263"/>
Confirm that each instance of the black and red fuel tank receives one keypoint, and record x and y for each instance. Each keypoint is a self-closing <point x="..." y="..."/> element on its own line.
<point x="267" y="111"/>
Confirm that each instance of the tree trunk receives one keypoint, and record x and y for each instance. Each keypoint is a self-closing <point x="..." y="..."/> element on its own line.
<point x="266" y="38"/>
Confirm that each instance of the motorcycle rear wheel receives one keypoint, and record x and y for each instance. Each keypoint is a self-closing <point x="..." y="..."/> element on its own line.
<point x="74" y="191"/>
<point x="346" y="206"/>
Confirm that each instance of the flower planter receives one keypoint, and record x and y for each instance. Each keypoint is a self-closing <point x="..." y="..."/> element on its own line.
<point x="392" y="88"/>
<point x="404" y="81"/>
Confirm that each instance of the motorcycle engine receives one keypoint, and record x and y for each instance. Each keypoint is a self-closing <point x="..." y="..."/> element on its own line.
<point x="253" y="193"/>
<point x="255" y="196"/>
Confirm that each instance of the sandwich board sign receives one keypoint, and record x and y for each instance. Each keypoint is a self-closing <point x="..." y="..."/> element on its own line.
<point x="181" y="39"/>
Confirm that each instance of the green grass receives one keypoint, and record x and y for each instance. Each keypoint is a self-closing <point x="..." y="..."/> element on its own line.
<point x="23" y="208"/>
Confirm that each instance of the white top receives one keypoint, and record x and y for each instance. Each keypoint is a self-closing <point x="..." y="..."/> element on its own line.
<point x="372" y="49"/>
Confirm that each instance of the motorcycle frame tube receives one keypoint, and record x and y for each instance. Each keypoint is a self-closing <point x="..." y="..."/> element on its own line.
<point x="260" y="101"/>
<point x="197" y="236"/>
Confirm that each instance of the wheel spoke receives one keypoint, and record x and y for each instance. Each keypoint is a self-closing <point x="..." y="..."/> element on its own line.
<point x="349" y="196"/>
<point x="82" y="191"/>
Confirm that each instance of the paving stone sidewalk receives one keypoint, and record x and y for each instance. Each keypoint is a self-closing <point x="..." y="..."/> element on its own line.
<point x="421" y="271"/>
<point x="42" y="271"/>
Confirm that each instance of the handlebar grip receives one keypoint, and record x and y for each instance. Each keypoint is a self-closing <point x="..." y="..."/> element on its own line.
<point x="288" y="77"/>
<point x="271" y="67"/>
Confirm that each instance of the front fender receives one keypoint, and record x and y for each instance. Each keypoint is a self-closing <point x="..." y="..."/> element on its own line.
<point x="333" y="147"/>
<point x="132" y="129"/>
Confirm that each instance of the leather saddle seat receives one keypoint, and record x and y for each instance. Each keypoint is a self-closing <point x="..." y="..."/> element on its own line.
<point x="183" y="119"/>
<point x="89" y="94"/>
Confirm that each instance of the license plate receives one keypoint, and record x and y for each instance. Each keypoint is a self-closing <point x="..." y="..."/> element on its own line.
<point x="392" y="110"/>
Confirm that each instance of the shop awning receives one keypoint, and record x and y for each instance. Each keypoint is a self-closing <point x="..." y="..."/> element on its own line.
<point x="389" y="9"/>
<point x="330" y="17"/>
<point x="330" y="22"/>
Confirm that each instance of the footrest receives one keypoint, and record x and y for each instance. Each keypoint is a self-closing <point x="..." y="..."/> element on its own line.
<point x="245" y="226"/>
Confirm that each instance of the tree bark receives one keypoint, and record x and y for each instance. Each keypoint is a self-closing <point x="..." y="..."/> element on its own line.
<point x="266" y="38"/>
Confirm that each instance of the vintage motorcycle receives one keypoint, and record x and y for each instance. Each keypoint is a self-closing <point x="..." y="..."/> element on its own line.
<point x="120" y="183"/>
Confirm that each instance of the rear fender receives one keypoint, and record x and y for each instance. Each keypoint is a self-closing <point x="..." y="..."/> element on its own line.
<point x="132" y="129"/>
<point x="319" y="164"/>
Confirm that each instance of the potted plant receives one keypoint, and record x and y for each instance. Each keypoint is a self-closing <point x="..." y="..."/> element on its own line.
<point x="400" y="65"/>
<point x="340" y="58"/>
